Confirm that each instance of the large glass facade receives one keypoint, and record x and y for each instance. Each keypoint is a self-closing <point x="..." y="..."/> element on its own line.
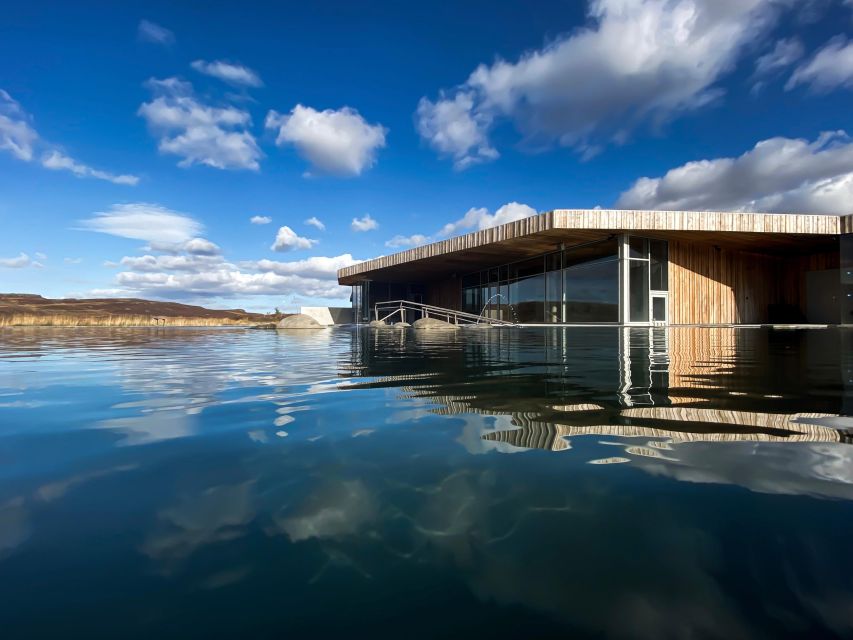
<point x="620" y="279"/>
<point x="575" y="285"/>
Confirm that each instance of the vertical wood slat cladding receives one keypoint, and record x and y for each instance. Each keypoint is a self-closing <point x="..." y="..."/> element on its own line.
<point x="719" y="286"/>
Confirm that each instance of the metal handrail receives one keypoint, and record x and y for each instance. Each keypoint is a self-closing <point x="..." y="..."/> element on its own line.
<point x="428" y="309"/>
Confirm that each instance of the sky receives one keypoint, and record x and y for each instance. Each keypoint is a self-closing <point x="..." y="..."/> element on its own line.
<point x="235" y="155"/>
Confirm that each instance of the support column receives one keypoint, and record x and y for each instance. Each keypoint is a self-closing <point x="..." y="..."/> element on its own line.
<point x="846" y="247"/>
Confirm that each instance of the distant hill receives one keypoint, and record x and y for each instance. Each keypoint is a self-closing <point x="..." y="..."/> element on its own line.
<point x="22" y="309"/>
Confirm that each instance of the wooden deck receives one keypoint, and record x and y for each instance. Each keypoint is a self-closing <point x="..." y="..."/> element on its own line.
<point x="765" y="232"/>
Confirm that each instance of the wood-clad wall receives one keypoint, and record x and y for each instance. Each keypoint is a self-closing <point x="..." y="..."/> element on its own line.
<point x="709" y="285"/>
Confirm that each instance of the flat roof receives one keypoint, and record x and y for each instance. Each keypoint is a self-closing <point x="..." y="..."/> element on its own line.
<point x="773" y="232"/>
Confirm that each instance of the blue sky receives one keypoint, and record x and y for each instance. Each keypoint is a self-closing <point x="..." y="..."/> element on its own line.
<point x="138" y="140"/>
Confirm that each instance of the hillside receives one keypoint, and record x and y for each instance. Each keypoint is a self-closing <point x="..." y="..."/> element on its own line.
<point x="21" y="309"/>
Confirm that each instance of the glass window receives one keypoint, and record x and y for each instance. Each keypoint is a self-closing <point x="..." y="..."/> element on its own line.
<point x="659" y="309"/>
<point x="591" y="291"/>
<point x="506" y="313"/>
<point x="527" y="296"/>
<point x="553" y="297"/>
<point x="554" y="262"/>
<point x="531" y="267"/>
<point x="638" y="248"/>
<point x="658" y="254"/>
<point x="638" y="290"/>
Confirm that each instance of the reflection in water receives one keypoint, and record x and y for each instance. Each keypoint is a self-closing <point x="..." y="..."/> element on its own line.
<point x="665" y="483"/>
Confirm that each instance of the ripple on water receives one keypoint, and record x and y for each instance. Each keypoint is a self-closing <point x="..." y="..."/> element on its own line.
<point x="539" y="482"/>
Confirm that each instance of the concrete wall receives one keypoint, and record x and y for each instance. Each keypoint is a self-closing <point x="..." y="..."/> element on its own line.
<point x="329" y="315"/>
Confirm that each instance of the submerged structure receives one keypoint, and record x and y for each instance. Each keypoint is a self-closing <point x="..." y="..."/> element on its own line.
<point x="571" y="266"/>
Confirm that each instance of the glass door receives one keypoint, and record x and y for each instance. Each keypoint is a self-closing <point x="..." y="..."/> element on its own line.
<point x="660" y="307"/>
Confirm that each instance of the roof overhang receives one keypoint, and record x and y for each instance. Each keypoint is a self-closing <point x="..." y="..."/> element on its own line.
<point x="759" y="232"/>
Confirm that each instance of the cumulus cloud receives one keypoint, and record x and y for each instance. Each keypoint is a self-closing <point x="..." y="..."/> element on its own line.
<point x="316" y="222"/>
<point x="288" y="240"/>
<point x="152" y="223"/>
<point x="18" y="137"/>
<point x="232" y="73"/>
<point x="640" y="62"/>
<point x="830" y="68"/>
<point x="194" y="276"/>
<point x="777" y="175"/>
<point x="58" y="161"/>
<point x="407" y="241"/>
<point x="199" y="133"/>
<point x="152" y="32"/>
<point x="475" y="219"/>
<point x="480" y="218"/>
<point x="260" y="219"/>
<point x="201" y="247"/>
<point x="365" y="223"/>
<point x="19" y="262"/>
<point x="188" y="263"/>
<point x="338" y="142"/>
<point x="452" y="128"/>
<point x="320" y="267"/>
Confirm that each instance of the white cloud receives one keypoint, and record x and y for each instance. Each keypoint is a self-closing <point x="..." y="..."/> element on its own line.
<point x="16" y="135"/>
<point x="19" y="262"/>
<point x="229" y="72"/>
<point x="316" y="222"/>
<point x="199" y="133"/>
<point x="407" y="241"/>
<point x="335" y="142"/>
<point x="152" y="32"/>
<point x="453" y="129"/>
<point x="777" y="175"/>
<point x="288" y="240"/>
<point x="201" y="247"/>
<point x="187" y="276"/>
<point x="189" y="263"/>
<point x="73" y="260"/>
<point x="784" y="54"/>
<point x="58" y="161"/>
<point x="152" y="223"/>
<point x="320" y="267"/>
<point x="480" y="218"/>
<point x="226" y="280"/>
<point x="475" y="219"/>
<point x="260" y="219"/>
<point x="365" y="223"/>
<point x="640" y="62"/>
<point x="830" y="68"/>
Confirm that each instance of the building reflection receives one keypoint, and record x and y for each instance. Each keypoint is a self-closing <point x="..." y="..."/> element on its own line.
<point x="662" y="386"/>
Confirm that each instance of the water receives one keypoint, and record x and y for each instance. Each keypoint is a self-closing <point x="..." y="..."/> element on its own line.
<point x="498" y="483"/>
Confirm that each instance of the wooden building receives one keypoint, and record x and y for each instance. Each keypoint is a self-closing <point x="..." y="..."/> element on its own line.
<point x="572" y="266"/>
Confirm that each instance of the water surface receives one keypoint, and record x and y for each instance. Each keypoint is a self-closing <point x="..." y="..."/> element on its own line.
<point x="598" y="482"/>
